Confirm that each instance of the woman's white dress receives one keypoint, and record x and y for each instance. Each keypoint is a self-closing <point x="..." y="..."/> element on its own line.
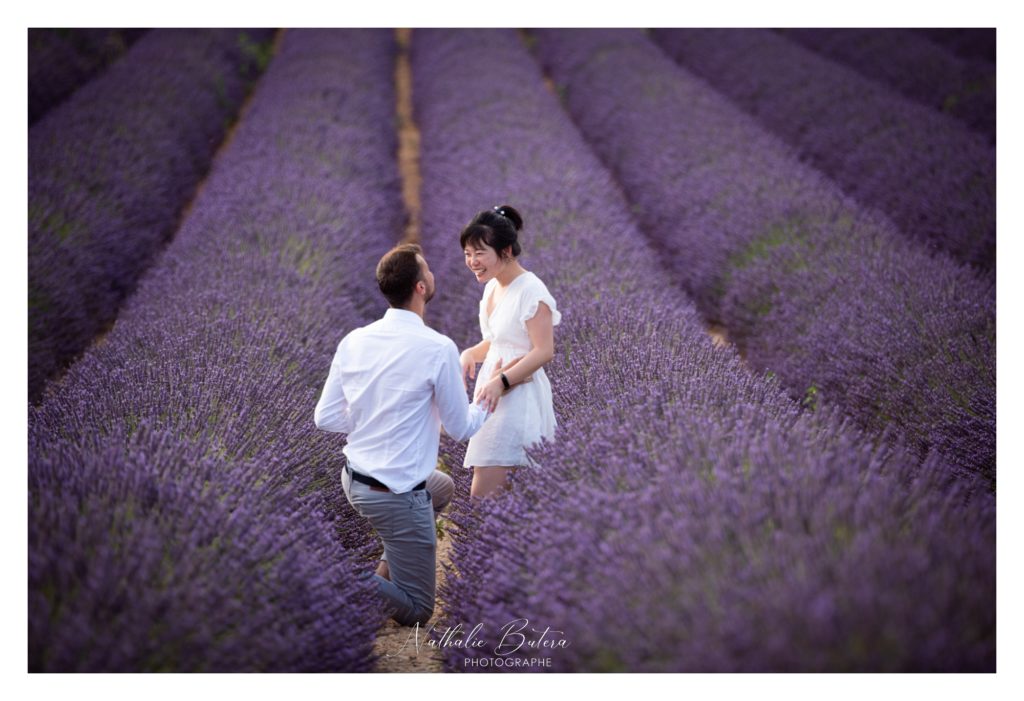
<point x="525" y="413"/>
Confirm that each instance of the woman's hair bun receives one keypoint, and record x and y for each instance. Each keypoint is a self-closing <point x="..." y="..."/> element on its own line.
<point x="510" y="212"/>
<point x="497" y="227"/>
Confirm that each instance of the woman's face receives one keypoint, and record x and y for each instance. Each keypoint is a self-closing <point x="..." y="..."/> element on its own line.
<point x="482" y="260"/>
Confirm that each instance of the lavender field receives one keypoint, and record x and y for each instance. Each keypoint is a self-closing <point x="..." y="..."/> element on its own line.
<point x="110" y="170"/>
<point x="816" y="495"/>
<point x="60" y="60"/>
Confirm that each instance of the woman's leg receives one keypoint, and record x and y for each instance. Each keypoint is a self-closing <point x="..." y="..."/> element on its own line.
<point x="488" y="481"/>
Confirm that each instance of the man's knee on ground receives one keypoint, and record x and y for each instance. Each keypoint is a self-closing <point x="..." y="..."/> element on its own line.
<point x="420" y="615"/>
<point x="441" y="488"/>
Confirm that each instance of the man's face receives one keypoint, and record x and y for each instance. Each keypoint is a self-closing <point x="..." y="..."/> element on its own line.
<point x="428" y="278"/>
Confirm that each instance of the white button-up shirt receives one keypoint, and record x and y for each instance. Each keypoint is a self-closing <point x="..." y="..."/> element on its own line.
<point x="392" y="384"/>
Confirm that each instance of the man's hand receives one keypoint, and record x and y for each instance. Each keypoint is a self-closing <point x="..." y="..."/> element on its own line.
<point x="498" y="369"/>
<point x="491" y="392"/>
<point x="468" y="365"/>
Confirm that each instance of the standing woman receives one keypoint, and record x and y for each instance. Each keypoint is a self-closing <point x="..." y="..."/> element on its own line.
<point x="517" y="320"/>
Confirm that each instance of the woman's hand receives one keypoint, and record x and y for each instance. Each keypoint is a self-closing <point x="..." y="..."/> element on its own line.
<point x="490" y="393"/>
<point x="498" y="369"/>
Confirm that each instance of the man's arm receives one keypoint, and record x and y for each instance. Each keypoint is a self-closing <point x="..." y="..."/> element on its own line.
<point x="460" y="418"/>
<point x="332" y="412"/>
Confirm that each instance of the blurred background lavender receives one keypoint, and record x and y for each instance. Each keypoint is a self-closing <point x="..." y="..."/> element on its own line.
<point x="816" y="494"/>
<point x="207" y="382"/>
<point x="60" y="60"/>
<point x="110" y="170"/>
<point x="692" y="517"/>
<point x="962" y="87"/>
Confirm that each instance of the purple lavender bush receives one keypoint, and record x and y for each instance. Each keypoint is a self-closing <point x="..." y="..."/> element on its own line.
<point x="967" y="43"/>
<point x="914" y="66"/>
<point x="62" y="60"/>
<point x="934" y="177"/>
<point x="217" y="362"/>
<point x="810" y="285"/>
<point x="152" y="554"/>
<point x="109" y="172"/>
<point x="689" y="515"/>
<point x="724" y="535"/>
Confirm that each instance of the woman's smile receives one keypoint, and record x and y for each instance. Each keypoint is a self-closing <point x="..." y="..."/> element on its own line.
<point x="476" y="261"/>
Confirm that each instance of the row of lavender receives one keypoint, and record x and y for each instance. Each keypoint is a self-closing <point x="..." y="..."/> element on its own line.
<point x="690" y="516"/>
<point x="914" y="66"/>
<point x="933" y="176"/>
<point x="109" y="172"/>
<point x="809" y="284"/>
<point x="979" y="43"/>
<point x="184" y="513"/>
<point x="61" y="60"/>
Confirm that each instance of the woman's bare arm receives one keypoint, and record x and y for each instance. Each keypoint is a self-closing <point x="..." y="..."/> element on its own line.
<point x="542" y="338"/>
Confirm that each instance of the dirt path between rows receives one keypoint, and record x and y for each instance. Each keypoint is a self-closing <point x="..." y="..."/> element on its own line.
<point x="408" y="139"/>
<point x="396" y="646"/>
<point x="719" y="335"/>
<point x="243" y="110"/>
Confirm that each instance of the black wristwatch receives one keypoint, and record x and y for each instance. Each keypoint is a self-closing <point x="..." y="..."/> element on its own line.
<point x="504" y="381"/>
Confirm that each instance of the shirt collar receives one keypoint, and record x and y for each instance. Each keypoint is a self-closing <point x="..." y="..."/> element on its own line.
<point x="403" y="315"/>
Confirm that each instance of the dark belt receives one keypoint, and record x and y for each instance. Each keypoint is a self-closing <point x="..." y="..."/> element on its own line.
<point x="366" y="479"/>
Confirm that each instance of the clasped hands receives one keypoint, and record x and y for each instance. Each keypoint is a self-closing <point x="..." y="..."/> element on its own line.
<point x="491" y="391"/>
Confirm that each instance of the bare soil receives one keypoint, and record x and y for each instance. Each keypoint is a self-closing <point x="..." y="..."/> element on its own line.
<point x="719" y="335"/>
<point x="229" y="136"/>
<point x="396" y="646"/>
<point x="408" y="139"/>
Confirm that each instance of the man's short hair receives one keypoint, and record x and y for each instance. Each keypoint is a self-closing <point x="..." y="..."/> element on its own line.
<point x="398" y="272"/>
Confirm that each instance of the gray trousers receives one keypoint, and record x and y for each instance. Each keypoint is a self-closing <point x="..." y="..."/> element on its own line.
<point x="405" y="522"/>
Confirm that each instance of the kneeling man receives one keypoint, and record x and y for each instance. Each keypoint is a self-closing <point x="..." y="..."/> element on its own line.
<point x="391" y="386"/>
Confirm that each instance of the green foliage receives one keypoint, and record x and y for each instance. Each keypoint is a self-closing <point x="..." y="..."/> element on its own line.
<point x="223" y="101"/>
<point x="257" y="54"/>
<point x="810" y="400"/>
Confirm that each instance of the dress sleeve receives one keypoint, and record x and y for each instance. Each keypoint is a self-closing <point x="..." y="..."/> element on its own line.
<point x="533" y="295"/>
